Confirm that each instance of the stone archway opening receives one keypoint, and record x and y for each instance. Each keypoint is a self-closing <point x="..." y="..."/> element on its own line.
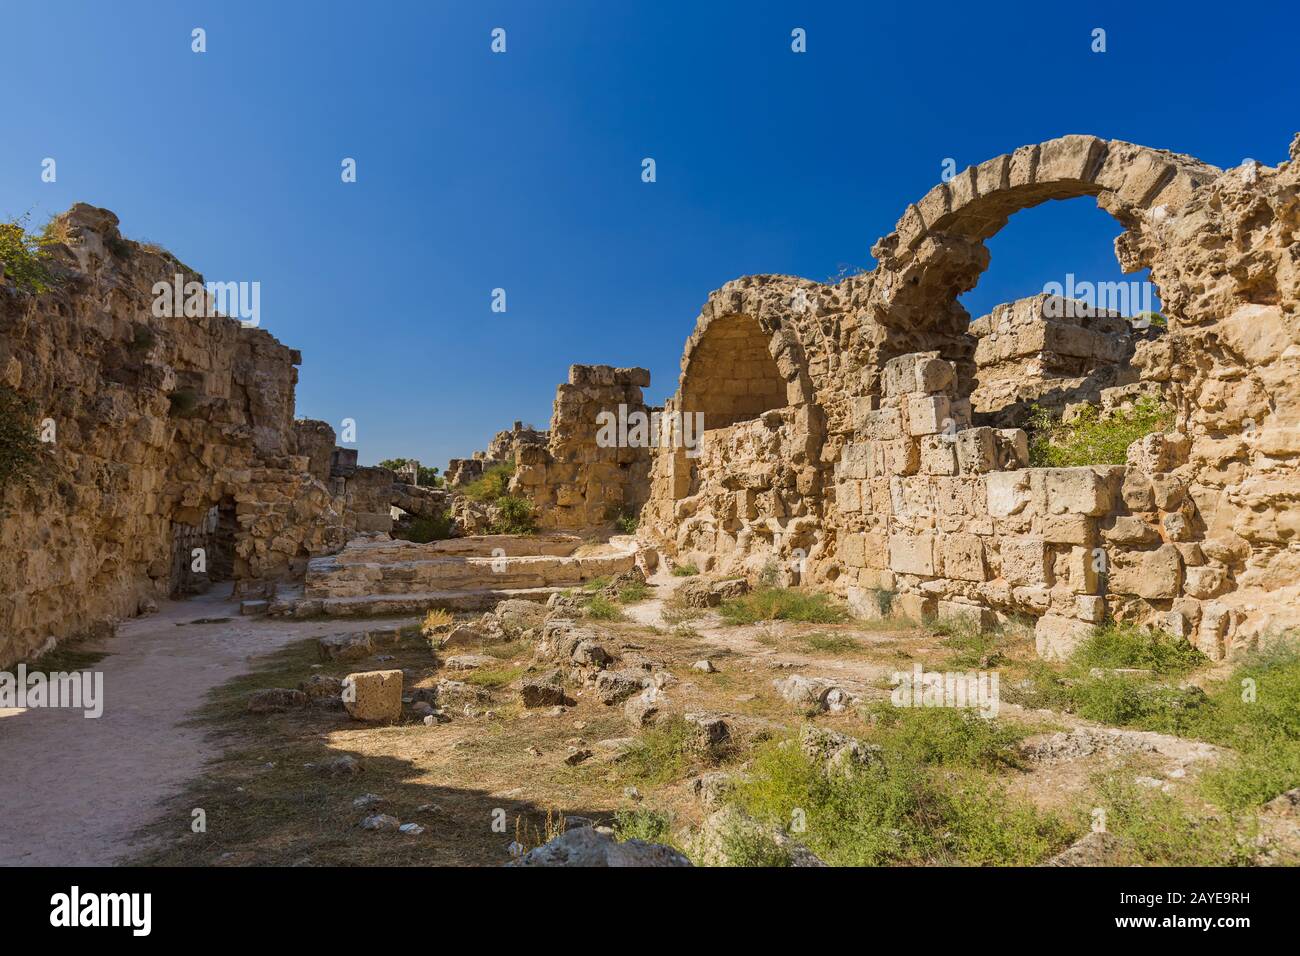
<point x="731" y="376"/>
<point x="1054" y="320"/>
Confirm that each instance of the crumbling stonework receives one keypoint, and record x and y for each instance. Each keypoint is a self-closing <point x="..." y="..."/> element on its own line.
<point x="170" y="434"/>
<point x="579" y="479"/>
<point x="501" y="449"/>
<point x="1050" y="352"/>
<point x="869" y="477"/>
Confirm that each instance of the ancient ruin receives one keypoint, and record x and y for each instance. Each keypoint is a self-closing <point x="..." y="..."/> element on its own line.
<point x="859" y="438"/>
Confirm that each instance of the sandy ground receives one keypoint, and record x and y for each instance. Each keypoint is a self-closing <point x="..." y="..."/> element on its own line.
<point x="74" y="790"/>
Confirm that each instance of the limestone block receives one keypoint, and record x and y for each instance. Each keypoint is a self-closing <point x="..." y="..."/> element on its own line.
<point x="1154" y="575"/>
<point x="1009" y="492"/>
<point x="1056" y="636"/>
<point x="901" y="456"/>
<point x="1025" y="561"/>
<point x="882" y="424"/>
<point x="1081" y="566"/>
<point x="1211" y="635"/>
<point x="1075" y="491"/>
<point x="971" y="615"/>
<point x="848" y="496"/>
<point x="854" y="460"/>
<point x="915" y="607"/>
<point x="1131" y="531"/>
<point x="938" y="455"/>
<point x="976" y="450"/>
<point x="373" y="695"/>
<point x="927" y="414"/>
<point x="852" y="550"/>
<point x="961" y="557"/>
<point x="1068" y="529"/>
<point x="1204" y="582"/>
<point x="912" y="554"/>
<point x="933" y="375"/>
<point x="1090" y="608"/>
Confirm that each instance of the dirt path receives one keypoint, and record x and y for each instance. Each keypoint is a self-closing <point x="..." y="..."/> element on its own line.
<point x="74" y="790"/>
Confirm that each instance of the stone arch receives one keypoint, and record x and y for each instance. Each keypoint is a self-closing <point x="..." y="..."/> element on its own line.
<point x="745" y="356"/>
<point x="731" y="375"/>
<point x="936" y="251"/>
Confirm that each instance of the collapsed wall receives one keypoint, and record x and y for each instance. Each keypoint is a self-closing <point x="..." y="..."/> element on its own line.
<point x="169" y="433"/>
<point x="871" y="483"/>
<point x="1049" y="352"/>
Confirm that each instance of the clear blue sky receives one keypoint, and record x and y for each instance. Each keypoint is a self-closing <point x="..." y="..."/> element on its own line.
<point x="522" y="170"/>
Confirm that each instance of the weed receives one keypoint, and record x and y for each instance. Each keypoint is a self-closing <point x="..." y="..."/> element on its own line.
<point x="783" y="604"/>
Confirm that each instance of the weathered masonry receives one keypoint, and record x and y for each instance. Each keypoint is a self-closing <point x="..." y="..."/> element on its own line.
<point x="849" y="456"/>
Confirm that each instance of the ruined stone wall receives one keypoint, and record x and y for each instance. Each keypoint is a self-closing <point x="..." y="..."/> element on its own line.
<point x="1200" y="530"/>
<point x="1050" y="352"/>
<point x="158" y="421"/>
<point x="575" y="481"/>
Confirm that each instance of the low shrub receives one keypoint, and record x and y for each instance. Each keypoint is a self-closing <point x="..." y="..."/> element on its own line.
<point x="783" y="604"/>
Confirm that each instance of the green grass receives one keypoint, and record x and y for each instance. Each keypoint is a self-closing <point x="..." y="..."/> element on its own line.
<point x="1155" y="828"/>
<point x="625" y="521"/>
<point x="491" y="677"/>
<point x="1124" y="646"/>
<point x="1254" y="712"/>
<point x="602" y="608"/>
<point x="633" y="592"/>
<point x="685" y="571"/>
<point x="1093" y="438"/>
<point x="900" y="809"/>
<point x="782" y="604"/>
<point x="663" y="753"/>
<point x="1121" y="700"/>
<point x="943" y="736"/>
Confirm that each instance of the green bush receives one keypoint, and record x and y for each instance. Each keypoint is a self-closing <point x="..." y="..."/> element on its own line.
<point x="1156" y="828"/>
<point x="653" y="826"/>
<point x="424" y="530"/>
<point x="685" y="571"/>
<point x="24" y="256"/>
<point x="514" y="516"/>
<point x="1125" y="646"/>
<point x="428" y="477"/>
<point x="494" y="483"/>
<point x="783" y="604"/>
<point x="1091" y="438"/>
<point x="22" y="453"/>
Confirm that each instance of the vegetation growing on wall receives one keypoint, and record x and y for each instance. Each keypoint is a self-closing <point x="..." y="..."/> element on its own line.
<point x="21" y="450"/>
<point x="1093" y="437"/>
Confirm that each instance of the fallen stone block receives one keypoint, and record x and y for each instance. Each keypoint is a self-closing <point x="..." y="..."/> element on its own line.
<point x="374" y="696"/>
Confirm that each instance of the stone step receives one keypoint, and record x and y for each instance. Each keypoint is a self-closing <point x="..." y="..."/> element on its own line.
<point x="449" y="574"/>
<point x="382" y="576"/>
<point x="378" y="605"/>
